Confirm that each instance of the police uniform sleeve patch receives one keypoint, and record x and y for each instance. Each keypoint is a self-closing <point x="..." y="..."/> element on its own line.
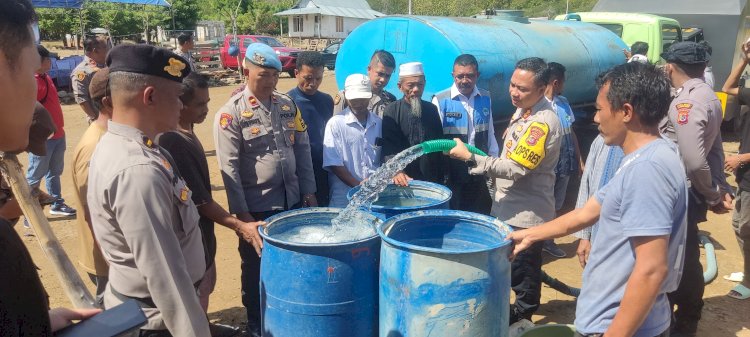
<point x="225" y="120"/>
<point x="80" y="75"/>
<point x="683" y="112"/>
<point x="337" y="99"/>
<point x="299" y="123"/>
<point x="530" y="148"/>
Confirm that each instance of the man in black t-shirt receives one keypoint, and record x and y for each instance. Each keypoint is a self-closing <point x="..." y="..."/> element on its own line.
<point x="740" y="165"/>
<point x="189" y="157"/>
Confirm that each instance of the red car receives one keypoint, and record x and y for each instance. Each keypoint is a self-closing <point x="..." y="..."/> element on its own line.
<point x="287" y="55"/>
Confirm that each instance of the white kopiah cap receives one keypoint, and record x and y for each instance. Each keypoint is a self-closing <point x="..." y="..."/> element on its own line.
<point x="638" y="58"/>
<point x="357" y="86"/>
<point x="410" y="69"/>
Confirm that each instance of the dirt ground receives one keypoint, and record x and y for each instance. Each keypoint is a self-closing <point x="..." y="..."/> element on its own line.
<point x="722" y="316"/>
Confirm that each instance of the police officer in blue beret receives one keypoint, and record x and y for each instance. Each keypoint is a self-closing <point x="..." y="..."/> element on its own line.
<point x="264" y="155"/>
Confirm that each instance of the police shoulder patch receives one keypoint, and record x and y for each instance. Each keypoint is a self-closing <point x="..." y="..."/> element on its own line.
<point x="337" y="99"/>
<point x="530" y="148"/>
<point x="683" y="112"/>
<point x="225" y="120"/>
<point x="299" y="123"/>
<point x="80" y="75"/>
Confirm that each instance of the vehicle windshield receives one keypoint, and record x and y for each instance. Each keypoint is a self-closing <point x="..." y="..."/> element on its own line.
<point x="615" y="28"/>
<point x="670" y="34"/>
<point x="332" y="48"/>
<point x="264" y="40"/>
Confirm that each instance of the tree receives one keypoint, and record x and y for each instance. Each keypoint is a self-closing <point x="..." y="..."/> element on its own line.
<point x="55" y="23"/>
<point x="251" y="17"/>
<point x="531" y="8"/>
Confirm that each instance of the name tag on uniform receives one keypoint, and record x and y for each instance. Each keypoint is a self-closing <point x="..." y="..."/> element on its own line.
<point x="453" y="114"/>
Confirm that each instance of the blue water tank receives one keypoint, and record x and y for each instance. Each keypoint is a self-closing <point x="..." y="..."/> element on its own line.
<point x="585" y="49"/>
<point x="444" y="273"/>
<point x="313" y="290"/>
<point x="419" y="195"/>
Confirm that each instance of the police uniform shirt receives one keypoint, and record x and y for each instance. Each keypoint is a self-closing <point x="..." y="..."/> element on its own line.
<point x="694" y="122"/>
<point x="147" y="226"/>
<point x="468" y="104"/>
<point x="263" y="153"/>
<point x="525" y="171"/>
<point x="377" y="102"/>
<point x="81" y="77"/>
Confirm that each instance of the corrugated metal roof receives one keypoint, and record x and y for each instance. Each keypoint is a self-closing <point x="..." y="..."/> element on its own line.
<point x="333" y="11"/>
<point x="716" y="7"/>
<point x="347" y="8"/>
<point x="360" y="4"/>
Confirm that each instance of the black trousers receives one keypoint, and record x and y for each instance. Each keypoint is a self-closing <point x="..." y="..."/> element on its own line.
<point x="526" y="282"/>
<point x="688" y="298"/>
<point x="250" y="276"/>
<point x="471" y="195"/>
<point x="322" y="193"/>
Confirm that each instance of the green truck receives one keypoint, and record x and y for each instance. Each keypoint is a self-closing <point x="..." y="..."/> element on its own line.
<point x="658" y="31"/>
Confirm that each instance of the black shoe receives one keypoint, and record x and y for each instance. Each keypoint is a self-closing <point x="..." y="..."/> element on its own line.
<point x="62" y="209"/>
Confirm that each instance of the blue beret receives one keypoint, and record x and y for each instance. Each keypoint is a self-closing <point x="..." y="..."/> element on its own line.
<point x="262" y="55"/>
<point x="147" y="60"/>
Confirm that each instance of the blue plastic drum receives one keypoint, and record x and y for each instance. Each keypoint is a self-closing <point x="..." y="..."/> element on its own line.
<point x="444" y="273"/>
<point x="312" y="290"/>
<point x="419" y="195"/>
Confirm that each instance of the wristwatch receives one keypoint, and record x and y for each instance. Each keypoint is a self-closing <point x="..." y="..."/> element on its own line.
<point x="472" y="162"/>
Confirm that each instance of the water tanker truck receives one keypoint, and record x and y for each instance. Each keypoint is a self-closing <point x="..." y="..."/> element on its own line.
<point x="497" y="42"/>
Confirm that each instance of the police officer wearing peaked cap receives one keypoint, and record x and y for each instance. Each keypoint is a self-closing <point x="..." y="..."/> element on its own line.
<point x="264" y="155"/>
<point x="141" y="210"/>
<point x="693" y="122"/>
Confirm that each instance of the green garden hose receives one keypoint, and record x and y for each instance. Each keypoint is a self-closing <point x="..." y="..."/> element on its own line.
<point x="440" y="145"/>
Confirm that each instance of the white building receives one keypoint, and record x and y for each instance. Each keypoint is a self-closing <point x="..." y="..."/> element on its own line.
<point x="209" y="30"/>
<point x="330" y="19"/>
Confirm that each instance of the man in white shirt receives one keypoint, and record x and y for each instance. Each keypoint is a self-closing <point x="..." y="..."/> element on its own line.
<point x="466" y="113"/>
<point x="350" y="153"/>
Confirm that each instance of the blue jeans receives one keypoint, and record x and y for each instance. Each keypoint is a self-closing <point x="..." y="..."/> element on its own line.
<point x="49" y="167"/>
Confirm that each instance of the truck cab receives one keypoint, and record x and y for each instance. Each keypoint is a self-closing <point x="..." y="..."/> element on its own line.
<point x="658" y="31"/>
